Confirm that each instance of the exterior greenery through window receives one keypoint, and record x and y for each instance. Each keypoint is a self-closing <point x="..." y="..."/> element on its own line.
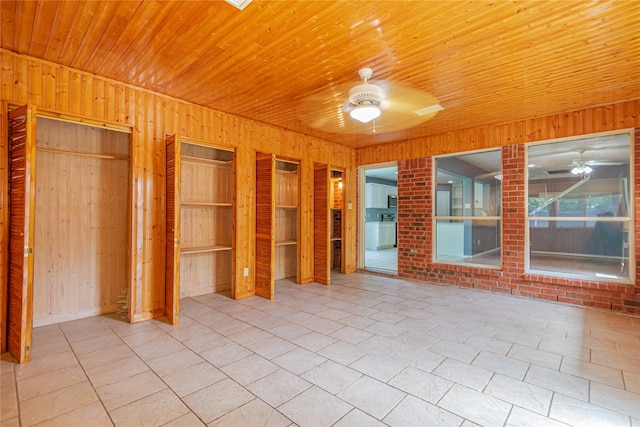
<point x="579" y="207"/>
<point x="468" y="209"/>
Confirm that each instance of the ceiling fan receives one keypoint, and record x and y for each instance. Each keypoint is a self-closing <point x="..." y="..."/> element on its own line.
<point x="582" y="166"/>
<point x="380" y="106"/>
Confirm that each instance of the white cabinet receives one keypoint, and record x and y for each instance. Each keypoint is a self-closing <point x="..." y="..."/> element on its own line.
<point x="377" y="195"/>
<point x="380" y="235"/>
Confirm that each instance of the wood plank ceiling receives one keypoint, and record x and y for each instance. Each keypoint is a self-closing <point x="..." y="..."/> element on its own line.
<point x="291" y="63"/>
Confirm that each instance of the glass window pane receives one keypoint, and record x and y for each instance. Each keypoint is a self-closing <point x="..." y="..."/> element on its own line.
<point x="468" y="185"/>
<point x="590" y="241"/>
<point x="468" y="241"/>
<point x="601" y="251"/>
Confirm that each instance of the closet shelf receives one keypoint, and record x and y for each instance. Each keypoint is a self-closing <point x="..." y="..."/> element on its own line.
<point x="203" y="249"/>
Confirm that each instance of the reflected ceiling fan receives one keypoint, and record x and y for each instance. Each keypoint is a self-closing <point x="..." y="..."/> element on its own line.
<point x="380" y="106"/>
<point x="581" y="166"/>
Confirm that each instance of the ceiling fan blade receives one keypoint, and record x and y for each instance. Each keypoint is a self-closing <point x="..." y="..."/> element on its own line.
<point x="403" y="107"/>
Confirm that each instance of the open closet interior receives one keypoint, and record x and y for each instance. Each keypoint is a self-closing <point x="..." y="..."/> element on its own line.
<point x="286" y="219"/>
<point x="336" y="206"/>
<point x="277" y="222"/>
<point x="327" y="222"/>
<point x="82" y="211"/>
<point x="206" y="219"/>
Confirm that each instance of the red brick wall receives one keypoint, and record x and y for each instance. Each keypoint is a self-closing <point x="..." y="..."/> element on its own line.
<point x="415" y="247"/>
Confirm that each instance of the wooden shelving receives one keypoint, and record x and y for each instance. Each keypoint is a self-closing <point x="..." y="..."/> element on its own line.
<point x="201" y="249"/>
<point x="327" y="222"/>
<point x="286" y="219"/>
<point x="205" y="227"/>
<point x="277" y="222"/>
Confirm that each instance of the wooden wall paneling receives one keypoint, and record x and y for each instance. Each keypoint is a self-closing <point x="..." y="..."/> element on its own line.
<point x="305" y="221"/>
<point x="349" y="238"/>
<point x="321" y="234"/>
<point x="172" y="229"/>
<point x="245" y="220"/>
<point x="4" y="221"/>
<point x="592" y="120"/>
<point x="22" y="161"/>
<point x="150" y="116"/>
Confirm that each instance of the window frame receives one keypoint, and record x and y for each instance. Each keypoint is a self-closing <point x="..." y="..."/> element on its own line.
<point x="630" y="218"/>
<point x="435" y="217"/>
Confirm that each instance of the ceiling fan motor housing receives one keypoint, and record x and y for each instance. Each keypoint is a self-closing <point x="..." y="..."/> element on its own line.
<point x="366" y="94"/>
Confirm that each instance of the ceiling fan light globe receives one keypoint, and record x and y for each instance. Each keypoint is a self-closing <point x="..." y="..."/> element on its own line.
<point x="365" y="113"/>
<point x="580" y="169"/>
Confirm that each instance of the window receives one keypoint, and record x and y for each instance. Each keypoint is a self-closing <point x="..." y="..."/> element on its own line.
<point x="467" y="208"/>
<point x="579" y="210"/>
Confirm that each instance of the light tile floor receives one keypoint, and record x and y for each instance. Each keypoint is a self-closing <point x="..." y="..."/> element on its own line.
<point x="383" y="260"/>
<point x="365" y="351"/>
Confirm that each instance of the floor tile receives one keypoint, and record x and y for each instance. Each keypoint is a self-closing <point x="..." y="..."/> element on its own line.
<point x="299" y="360"/>
<point x="475" y="406"/>
<point x="104" y="356"/>
<point x="315" y="407"/>
<point x="559" y="382"/>
<point x="218" y="399"/>
<point x="378" y="367"/>
<point x="462" y="352"/>
<point x="193" y="378"/>
<point x="55" y="403"/>
<point x="632" y="382"/>
<point x="442" y="354"/>
<point x="519" y="393"/>
<point x="154" y="410"/>
<point x="342" y="352"/>
<point x="535" y="357"/>
<point x="421" y="384"/>
<point x="50" y="381"/>
<point x="187" y="420"/>
<point x="415" y="412"/>
<point x="278" y="387"/>
<point x="615" y="399"/>
<point x="43" y="365"/>
<point x="576" y="412"/>
<point x="128" y="390"/>
<point x="225" y="354"/>
<point x="173" y="362"/>
<point x="357" y="418"/>
<point x="249" y="336"/>
<point x="271" y="347"/>
<point x="372" y="396"/>
<point x="501" y="364"/>
<point x="255" y="414"/>
<point x="461" y="373"/>
<point x="313" y="341"/>
<point x="93" y="415"/>
<point x="249" y="369"/>
<point x="331" y="376"/>
<point x="103" y="375"/>
<point x="592" y="371"/>
<point x="520" y="417"/>
<point x="417" y="357"/>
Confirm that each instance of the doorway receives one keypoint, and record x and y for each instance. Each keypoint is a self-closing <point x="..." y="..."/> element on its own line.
<point x="379" y="241"/>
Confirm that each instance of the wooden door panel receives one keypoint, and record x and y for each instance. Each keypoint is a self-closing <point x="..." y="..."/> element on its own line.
<point x="22" y="156"/>
<point x="172" y="262"/>
<point x="321" y="237"/>
<point x="265" y="218"/>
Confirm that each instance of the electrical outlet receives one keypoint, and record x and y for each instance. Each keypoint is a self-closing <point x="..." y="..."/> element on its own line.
<point x="246" y="271"/>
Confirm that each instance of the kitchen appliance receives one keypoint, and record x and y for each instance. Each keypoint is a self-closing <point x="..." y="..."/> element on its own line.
<point x="392" y="201"/>
<point x="387" y="217"/>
